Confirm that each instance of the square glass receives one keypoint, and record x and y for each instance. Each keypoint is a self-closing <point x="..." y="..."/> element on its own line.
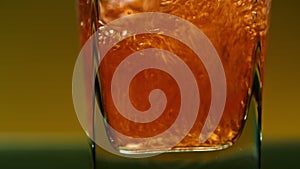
<point x="178" y="83"/>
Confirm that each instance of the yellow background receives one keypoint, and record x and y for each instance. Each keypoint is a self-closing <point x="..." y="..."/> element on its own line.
<point x="39" y="45"/>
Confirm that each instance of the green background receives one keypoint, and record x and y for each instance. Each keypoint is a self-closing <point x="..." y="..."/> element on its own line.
<point x="39" y="44"/>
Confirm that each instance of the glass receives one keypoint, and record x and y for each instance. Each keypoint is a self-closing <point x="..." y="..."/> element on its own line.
<point x="236" y="30"/>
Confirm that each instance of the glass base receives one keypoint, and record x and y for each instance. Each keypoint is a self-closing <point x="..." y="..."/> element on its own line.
<point x="244" y="154"/>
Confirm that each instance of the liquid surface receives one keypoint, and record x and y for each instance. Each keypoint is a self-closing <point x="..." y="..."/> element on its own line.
<point x="234" y="27"/>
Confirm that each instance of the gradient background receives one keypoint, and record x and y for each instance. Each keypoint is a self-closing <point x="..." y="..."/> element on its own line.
<point x="39" y="43"/>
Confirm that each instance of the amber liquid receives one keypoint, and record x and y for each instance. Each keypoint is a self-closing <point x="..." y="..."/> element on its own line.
<point x="237" y="29"/>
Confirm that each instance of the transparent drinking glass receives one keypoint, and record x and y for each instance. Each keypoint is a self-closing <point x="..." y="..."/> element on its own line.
<point x="175" y="83"/>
